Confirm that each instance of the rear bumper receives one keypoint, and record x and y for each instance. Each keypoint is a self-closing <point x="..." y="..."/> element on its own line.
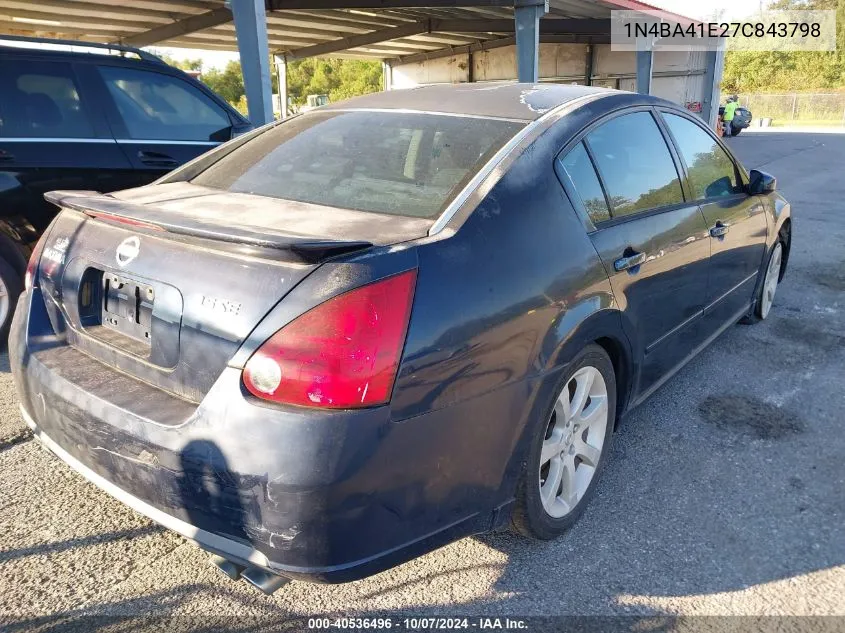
<point x="327" y="497"/>
<point x="207" y="540"/>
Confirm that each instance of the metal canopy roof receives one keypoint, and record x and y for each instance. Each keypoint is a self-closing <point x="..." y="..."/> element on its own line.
<point x="377" y="29"/>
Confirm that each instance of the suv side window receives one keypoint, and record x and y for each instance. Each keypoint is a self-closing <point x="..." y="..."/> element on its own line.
<point x="710" y="170"/>
<point x="155" y="106"/>
<point x="41" y="100"/>
<point x="635" y="165"/>
<point x="579" y="170"/>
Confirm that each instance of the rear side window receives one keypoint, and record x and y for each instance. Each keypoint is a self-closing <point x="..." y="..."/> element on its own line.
<point x="710" y="170"/>
<point x="579" y="170"/>
<point x="408" y="164"/>
<point x="635" y="164"/>
<point x="42" y="100"/>
<point x="155" y="106"/>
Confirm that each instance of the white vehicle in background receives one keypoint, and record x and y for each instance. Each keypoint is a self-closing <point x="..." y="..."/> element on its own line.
<point x="314" y="101"/>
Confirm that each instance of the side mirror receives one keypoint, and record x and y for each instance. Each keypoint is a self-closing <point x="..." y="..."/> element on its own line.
<point x="222" y="135"/>
<point x="761" y="183"/>
<point x="241" y="128"/>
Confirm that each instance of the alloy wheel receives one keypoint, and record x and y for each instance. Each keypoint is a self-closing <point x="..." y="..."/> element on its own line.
<point x="573" y="442"/>
<point x="770" y="283"/>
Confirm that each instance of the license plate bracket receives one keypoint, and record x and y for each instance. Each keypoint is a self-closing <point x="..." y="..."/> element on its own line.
<point x="127" y="307"/>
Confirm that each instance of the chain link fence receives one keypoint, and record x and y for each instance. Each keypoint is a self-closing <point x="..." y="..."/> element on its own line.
<point x="796" y="108"/>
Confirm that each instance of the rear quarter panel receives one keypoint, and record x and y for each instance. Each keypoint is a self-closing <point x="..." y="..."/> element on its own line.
<point x="501" y="307"/>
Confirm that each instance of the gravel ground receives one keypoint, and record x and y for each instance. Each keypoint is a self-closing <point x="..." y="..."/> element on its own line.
<point x="12" y="429"/>
<point x="725" y="494"/>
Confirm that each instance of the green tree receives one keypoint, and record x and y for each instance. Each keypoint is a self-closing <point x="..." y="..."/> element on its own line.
<point x="228" y="83"/>
<point x="772" y="71"/>
<point x="338" y="78"/>
<point x="185" y="64"/>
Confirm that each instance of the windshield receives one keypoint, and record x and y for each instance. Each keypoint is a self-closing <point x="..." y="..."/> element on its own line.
<point x="408" y="164"/>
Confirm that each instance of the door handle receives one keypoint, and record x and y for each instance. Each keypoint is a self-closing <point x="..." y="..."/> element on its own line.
<point x="720" y="229"/>
<point x="4" y="155"/>
<point x="156" y="159"/>
<point x="629" y="260"/>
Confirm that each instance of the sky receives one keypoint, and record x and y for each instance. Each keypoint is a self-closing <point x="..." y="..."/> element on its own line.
<point x="210" y="59"/>
<point x="700" y="9"/>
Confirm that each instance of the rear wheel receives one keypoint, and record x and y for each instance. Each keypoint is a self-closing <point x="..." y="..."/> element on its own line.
<point x="568" y="449"/>
<point x="11" y="287"/>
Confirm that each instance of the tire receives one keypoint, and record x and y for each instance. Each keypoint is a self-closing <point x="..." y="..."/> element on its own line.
<point x="539" y="513"/>
<point x="735" y="131"/>
<point x="771" y="278"/>
<point x="11" y="286"/>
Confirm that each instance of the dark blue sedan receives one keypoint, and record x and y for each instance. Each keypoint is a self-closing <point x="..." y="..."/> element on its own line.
<point x="341" y="341"/>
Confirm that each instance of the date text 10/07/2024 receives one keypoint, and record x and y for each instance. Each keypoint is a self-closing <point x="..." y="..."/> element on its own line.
<point x="418" y="623"/>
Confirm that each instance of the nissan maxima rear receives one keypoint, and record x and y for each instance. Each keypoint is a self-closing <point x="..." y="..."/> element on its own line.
<point x="346" y="339"/>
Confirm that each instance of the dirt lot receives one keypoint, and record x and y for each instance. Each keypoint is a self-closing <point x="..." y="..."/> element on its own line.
<point x="725" y="493"/>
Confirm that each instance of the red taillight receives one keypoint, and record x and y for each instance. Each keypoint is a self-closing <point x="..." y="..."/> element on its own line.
<point x="119" y="219"/>
<point x="342" y="354"/>
<point x="32" y="264"/>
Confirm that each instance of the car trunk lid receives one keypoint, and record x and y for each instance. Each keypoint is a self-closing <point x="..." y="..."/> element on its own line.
<point x="165" y="282"/>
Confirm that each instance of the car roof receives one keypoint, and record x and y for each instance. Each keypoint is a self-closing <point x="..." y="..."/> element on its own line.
<point x="94" y="55"/>
<point x="506" y="100"/>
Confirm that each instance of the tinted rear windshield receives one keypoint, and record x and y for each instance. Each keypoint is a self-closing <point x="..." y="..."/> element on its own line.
<point x="408" y="164"/>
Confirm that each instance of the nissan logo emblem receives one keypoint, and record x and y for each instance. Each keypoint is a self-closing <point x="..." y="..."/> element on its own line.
<point x="128" y="250"/>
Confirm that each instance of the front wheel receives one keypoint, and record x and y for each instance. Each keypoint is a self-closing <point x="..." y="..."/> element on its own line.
<point x="568" y="450"/>
<point x="735" y="131"/>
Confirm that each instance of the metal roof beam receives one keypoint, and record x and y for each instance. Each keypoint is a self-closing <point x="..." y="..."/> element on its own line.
<point x="556" y="26"/>
<point x="439" y="40"/>
<point x="327" y="25"/>
<point x="455" y="50"/>
<point x="281" y="5"/>
<point x="276" y="42"/>
<point x="498" y="43"/>
<point x="548" y="27"/>
<point x="177" y="6"/>
<point x="81" y="9"/>
<point x="101" y="33"/>
<point x="116" y="26"/>
<point x="180" y="27"/>
<point x="379" y="20"/>
<point x="365" y="39"/>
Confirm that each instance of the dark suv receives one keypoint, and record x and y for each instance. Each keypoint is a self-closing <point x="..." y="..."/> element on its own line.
<point x="107" y="119"/>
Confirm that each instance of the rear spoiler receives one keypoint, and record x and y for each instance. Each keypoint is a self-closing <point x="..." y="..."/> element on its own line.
<point x="103" y="207"/>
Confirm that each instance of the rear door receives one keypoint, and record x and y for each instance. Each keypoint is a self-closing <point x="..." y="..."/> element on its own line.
<point x="160" y="120"/>
<point x="653" y="243"/>
<point x="736" y="220"/>
<point x="52" y="136"/>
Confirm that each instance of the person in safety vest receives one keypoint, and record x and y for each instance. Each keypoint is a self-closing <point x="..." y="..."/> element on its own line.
<point x="730" y="110"/>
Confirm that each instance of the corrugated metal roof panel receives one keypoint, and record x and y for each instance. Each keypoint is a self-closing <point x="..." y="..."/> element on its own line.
<point x="288" y="30"/>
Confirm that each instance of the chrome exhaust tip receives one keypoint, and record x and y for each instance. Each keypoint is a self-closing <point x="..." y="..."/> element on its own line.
<point x="227" y="567"/>
<point x="264" y="581"/>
